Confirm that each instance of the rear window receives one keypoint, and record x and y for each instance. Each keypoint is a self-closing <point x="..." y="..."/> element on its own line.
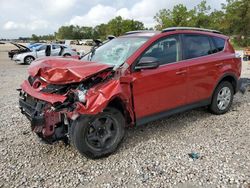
<point x="219" y="44"/>
<point x="196" y="46"/>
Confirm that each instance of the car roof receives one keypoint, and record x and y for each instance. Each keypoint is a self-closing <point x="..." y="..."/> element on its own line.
<point x="141" y="33"/>
<point x="190" y="29"/>
<point x="151" y="33"/>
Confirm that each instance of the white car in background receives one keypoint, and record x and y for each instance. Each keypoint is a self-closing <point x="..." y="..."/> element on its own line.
<point x="44" y="51"/>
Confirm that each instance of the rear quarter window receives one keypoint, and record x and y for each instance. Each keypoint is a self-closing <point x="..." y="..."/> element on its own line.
<point x="219" y="44"/>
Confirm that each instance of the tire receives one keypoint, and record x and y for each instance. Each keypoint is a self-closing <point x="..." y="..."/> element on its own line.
<point x="28" y="60"/>
<point x="222" y="98"/>
<point x="98" y="136"/>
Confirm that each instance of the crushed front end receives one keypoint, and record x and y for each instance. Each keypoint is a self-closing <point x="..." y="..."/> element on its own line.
<point x="48" y="107"/>
<point x="51" y="101"/>
<point x="46" y="122"/>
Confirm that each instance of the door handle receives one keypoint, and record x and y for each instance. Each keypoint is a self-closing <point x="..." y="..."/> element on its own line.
<point x="180" y="72"/>
<point x="218" y="64"/>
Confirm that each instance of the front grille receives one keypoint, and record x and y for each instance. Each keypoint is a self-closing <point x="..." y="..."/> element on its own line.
<point x="30" y="106"/>
<point x="26" y="108"/>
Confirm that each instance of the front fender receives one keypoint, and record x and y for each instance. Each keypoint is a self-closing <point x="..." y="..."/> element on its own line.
<point x="99" y="97"/>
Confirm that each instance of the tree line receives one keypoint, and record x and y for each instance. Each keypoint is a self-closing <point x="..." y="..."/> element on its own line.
<point x="232" y="19"/>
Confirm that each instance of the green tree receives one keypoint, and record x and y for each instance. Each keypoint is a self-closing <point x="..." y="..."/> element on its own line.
<point x="119" y="26"/>
<point x="34" y="38"/>
<point x="179" y="16"/>
<point x="217" y="21"/>
<point x="237" y="20"/>
<point x="237" y="16"/>
<point x="202" y="15"/>
<point x="100" y="31"/>
<point x="115" y="26"/>
<point x="65" y="32"/>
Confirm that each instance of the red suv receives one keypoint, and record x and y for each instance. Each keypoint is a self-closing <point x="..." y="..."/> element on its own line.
<point x="136" y="78"/>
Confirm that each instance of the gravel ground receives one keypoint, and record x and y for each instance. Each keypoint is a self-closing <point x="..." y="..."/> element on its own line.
<point x="154" y="155"/>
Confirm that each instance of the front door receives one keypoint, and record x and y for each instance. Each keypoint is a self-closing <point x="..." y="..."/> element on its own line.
<point x="158" y="90"/>
<point x="40" y="52"/>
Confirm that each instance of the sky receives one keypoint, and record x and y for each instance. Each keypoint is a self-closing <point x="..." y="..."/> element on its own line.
<point x="22" y="18"/>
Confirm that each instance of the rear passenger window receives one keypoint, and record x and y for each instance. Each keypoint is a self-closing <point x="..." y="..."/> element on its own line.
<point x="219" y="43"/>
<point x="55" y="46"/>
<point x="196" y="46"/>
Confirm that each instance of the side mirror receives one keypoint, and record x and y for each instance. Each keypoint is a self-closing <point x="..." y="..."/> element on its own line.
<point x="147" y="63"/>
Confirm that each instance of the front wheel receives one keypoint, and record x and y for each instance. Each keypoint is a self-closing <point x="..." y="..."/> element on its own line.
<point x="222" y="98"/>
<point x="28" y="60"/>
<point x="98" y="136"/>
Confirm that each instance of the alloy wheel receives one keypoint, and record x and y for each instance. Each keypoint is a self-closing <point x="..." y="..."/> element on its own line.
<point x="224" y="98"/>
<point x="101" y="133"/>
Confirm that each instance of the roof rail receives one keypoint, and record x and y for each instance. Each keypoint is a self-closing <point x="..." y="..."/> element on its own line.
<point x="189" y="28"/>
<point x="139" y="31"/>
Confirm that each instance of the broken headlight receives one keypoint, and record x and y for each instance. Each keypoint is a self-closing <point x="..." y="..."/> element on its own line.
<point x="81" y="95"/>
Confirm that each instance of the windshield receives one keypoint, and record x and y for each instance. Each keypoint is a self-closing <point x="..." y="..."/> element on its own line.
<point x="116" y="51"/>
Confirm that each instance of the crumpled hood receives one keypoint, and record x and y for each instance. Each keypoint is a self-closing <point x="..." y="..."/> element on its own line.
<point x="64" y="70"/>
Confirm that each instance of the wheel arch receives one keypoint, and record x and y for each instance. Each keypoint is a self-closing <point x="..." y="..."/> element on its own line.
<point x="230" y="77"/>
<point x="66" y="54"/>
<point x="27" y="57"/>
<point x="119" y="104"/>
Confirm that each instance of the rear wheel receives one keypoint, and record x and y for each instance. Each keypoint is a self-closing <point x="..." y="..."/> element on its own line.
<point x="28" y="60"/>
<point x="100" y="135"/>
<point x="222" y="98"/>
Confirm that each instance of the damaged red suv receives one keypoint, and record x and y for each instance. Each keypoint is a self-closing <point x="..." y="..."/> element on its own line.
<point x="131" y="80"/>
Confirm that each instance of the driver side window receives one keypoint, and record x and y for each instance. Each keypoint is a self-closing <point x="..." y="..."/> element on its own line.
<point x="42" y="48"/>
<point x="166" y="50"/>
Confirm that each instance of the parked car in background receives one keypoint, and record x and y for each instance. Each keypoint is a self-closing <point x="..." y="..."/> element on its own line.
<point x="43" y="51"/>
<point x="246" y="54"/>
<point x="20" y="49"/>
<point x="131" y="80"/>
<point x="87" y="42"/>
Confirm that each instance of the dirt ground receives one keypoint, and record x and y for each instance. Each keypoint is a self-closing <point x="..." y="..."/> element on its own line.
<point x="153" y="155"/>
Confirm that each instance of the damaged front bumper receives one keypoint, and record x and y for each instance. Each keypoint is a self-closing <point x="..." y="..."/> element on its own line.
<point x="46" y="123"/>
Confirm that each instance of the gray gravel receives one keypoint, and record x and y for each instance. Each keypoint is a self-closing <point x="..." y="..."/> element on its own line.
<point x="154" y="155"/>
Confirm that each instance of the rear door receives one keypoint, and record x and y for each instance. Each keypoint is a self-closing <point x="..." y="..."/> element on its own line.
<point x="55" y="50"/>
<point x="204" y="62"/>
<point x="164" y="88"/>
